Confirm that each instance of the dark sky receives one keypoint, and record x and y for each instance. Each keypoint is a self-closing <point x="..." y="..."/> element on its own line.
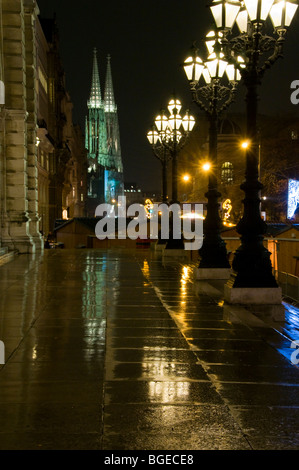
<point x="147" y="42"/>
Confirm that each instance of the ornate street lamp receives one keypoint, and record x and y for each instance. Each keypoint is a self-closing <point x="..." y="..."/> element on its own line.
<point x="170" y="133"/>
<point x="213" y="95"/>
<point x="259" y="51"/>
<point x="155" y="138"/>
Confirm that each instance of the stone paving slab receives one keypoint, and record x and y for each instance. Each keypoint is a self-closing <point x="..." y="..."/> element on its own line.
<point x="115" y="350"/>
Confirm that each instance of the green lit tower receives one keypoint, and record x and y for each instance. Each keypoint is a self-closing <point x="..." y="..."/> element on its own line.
<point x="114" y="185"/>
<point x="105" y="169"/>
<point x="96" y="138"/>
<point x="113" y="140"/>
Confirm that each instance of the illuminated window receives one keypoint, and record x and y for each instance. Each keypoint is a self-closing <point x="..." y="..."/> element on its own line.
<point x="43" y="79"/>
<point x="227" y="173"/>
<point x="294" y="135"/>
<point x="52" y="90"/>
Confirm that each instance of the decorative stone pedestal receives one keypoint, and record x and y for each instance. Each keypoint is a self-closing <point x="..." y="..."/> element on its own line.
<point x="212" y="273"/>
<point x="253" y="295"/>
<point x="262" y="301"/>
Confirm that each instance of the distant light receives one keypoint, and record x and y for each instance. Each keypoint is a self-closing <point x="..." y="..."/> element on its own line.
<point x="192" y="215"/>
<point x="206" y="166"/>
<point x="186" y="178"/>
<point x="245" y="144"/>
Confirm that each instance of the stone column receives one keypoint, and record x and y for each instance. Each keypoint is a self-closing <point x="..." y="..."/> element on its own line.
<point x="16" y="227"/>
<point x="1" y="135"/>
<point x="2" y="170"/>
<point x="30" y="16"/>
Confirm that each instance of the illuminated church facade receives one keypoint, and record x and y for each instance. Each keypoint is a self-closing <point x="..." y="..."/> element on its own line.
<point x="102" y="141"/>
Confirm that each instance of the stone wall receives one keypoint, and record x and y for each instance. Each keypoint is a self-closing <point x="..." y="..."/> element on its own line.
<point x="19" y="215"/>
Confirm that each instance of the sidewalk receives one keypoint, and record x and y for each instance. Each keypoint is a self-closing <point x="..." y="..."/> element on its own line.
<point x="114" y="351"/>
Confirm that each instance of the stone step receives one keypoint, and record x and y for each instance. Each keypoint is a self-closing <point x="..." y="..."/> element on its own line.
<point x="5" y="255"/>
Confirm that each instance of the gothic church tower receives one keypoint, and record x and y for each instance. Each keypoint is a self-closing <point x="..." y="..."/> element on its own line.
<point x="113" y="140"/>
<point x="105" y="169"/>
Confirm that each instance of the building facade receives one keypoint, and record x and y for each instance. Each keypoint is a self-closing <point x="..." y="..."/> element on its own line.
<point x="38" y="141"/>
<point x="102" y="141"/>
<point x="230" y="166"/>
<point x="19" y="174"/>
<point x="65" y="164"/>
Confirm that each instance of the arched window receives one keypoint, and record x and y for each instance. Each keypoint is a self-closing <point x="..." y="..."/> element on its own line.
<point x="227" y="173"/>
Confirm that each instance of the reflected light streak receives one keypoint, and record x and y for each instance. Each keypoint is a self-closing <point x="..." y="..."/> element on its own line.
<point x="184" y="280"/>
<point x="168" y="391"/>
<point x="145" y="269"/>
<point x="164" y="386"/>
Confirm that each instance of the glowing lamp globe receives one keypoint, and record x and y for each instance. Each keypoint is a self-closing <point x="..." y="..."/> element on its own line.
<point x="193" y="67"/>
<point x="211" y="38"/>
<point x="161" y="122"/>
<point x="242" y="20"/>
<point x="282" y="13"/>
<point x="258" y="10"/>
<point x="225" y="12"/>
<point x="175" y="122"/>
<point x="188" y="122"/>
<point x="153" y="137"/>
<point x="216" y="65"/>
<point x="174" y="105"/>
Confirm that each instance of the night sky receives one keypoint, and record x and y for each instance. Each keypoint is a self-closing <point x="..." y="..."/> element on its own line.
<point x="147" y="42"/>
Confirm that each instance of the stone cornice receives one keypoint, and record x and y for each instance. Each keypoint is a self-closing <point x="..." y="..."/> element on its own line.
<point x="31" y="7"/>
<point x="18" y="114"/>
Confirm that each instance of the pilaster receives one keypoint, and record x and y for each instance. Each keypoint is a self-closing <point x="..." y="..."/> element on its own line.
<point x="30" y="12"/>
<point x="16" y="233"/>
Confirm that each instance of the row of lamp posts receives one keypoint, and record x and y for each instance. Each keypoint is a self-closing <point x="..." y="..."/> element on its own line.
<point x="248" y="39"/>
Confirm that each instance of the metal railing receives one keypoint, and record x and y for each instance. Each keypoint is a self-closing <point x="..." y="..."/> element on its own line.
<point x="289" y="284"/>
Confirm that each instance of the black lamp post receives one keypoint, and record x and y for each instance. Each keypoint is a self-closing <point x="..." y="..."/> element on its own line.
<point x="259" y="51"/>
<point x="213" y="96"/>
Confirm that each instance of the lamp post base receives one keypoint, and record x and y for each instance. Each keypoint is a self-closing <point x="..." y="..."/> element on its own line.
<point x="212" y="273"/>
<point x="261" y="300"/>
<point x="253" y="295"/>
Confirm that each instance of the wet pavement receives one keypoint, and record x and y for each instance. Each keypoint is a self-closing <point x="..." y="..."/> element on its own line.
<point x="116" y="351"/>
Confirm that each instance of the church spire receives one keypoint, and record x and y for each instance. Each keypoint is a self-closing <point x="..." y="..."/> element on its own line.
<point x="109" y="101"/>
<point x="95" y="100"/>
